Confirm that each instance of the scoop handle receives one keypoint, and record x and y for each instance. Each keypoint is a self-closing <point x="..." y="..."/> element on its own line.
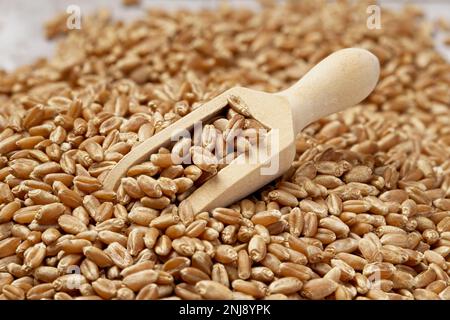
<point x="341" y="80"/>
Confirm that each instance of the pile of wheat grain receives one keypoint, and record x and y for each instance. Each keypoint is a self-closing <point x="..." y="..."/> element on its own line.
<point x="363" y="213"/>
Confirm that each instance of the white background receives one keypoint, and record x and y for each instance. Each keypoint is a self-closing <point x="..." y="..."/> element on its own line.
<point x="22" y="39"/>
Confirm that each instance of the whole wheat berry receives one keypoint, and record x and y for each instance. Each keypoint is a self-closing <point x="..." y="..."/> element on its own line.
<point x="363" y="212"/>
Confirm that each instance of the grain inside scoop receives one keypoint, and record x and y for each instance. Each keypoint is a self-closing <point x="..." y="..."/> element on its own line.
<point x="341" y="80"/>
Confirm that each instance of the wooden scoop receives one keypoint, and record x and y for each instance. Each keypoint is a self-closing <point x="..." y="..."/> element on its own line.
<point x="341" y="80"/>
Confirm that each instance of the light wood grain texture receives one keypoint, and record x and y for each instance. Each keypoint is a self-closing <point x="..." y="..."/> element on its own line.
<point x="341" y="80"/>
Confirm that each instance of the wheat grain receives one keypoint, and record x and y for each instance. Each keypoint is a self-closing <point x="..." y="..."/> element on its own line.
<point x="365" y="198"/>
